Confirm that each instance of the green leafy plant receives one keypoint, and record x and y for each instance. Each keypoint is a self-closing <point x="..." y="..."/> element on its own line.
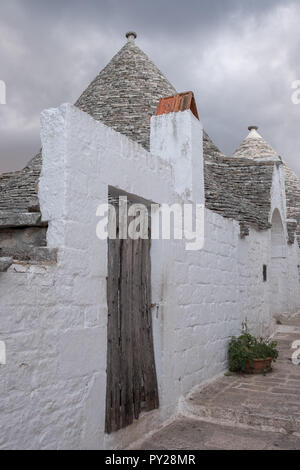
<point x="245" y="348"/>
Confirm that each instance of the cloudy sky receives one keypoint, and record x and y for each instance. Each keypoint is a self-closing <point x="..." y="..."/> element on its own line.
<point x="240" y="58"/>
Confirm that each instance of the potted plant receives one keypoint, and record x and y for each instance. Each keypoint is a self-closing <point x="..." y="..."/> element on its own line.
<point x="250" y="354"/>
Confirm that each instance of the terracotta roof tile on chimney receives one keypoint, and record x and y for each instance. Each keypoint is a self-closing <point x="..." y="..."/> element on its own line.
<point x="175" y="103"/>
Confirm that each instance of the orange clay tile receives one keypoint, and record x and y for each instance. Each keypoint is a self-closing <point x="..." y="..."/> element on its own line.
<point x="180" y="102"/>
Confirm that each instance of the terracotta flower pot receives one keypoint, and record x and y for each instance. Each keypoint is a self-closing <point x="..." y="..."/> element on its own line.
<point x="259" y="366"/>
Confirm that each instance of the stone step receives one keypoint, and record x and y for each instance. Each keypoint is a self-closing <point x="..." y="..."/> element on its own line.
<point x="30" y="254"/>
<point x="240" y="411"/>
<point x="21" y="219"/>
<point x="246" y="417"/>
<point x="269" y="402"/>
<point x="190" y="434"/>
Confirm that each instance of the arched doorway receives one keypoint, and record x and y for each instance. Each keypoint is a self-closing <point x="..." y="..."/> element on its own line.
<point x="278" y="274"/>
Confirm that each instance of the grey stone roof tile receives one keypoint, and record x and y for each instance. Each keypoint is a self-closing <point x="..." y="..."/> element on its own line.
<point x="18" y="190"/>
<point x="126" y="93"/>
<point x="239" y="189"/>
<point x="124" y="96"/>
<point x="255" y="147"/>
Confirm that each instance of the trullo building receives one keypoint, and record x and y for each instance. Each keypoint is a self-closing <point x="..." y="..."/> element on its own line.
<point x="103" y="337"/>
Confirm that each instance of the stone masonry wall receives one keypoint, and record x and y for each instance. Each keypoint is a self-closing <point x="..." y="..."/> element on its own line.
<point x="53" y="316"/>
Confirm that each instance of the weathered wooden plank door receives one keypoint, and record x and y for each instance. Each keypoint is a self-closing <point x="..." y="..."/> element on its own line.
<point x="131" y="372"/>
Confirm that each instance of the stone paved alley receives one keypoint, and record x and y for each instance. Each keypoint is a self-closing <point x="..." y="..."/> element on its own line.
<point x="241" y="412"/>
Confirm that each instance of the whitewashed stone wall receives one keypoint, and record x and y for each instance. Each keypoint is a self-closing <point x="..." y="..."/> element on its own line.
<point x="53" y="317"/>
<point x="284" y="292"/>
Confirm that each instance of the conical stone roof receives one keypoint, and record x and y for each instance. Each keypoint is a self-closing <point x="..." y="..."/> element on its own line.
<point x="18" y="190"/>
<point x="124" y="96"/>
<point x="254" y="146"/>
<point x="126" y="93"/>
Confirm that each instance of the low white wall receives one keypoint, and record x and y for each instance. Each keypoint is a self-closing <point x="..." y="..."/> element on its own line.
<point x="53" y="318"/>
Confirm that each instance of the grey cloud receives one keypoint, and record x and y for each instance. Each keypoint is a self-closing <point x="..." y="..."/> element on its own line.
<point x="239" y="57"/>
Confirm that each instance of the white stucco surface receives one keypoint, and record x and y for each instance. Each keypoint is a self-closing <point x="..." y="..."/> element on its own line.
<point x="54" y="317"/>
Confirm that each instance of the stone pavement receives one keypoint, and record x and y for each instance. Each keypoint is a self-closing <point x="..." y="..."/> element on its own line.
<point x="252" y="412"/>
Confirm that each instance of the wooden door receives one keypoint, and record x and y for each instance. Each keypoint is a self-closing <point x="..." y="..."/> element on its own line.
<point x="131" y="373"/>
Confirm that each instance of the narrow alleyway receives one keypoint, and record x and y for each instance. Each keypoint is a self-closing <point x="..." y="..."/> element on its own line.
<point x="242" y="412"/>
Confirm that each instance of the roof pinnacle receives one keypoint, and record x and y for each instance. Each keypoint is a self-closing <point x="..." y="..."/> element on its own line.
<point x="131" y="36"/>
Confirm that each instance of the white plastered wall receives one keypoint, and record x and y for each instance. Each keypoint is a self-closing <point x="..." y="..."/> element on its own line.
<point x="53" y="318"/>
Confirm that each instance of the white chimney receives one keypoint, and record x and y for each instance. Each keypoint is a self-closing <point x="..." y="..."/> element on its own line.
<point x="177" y="137"/>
